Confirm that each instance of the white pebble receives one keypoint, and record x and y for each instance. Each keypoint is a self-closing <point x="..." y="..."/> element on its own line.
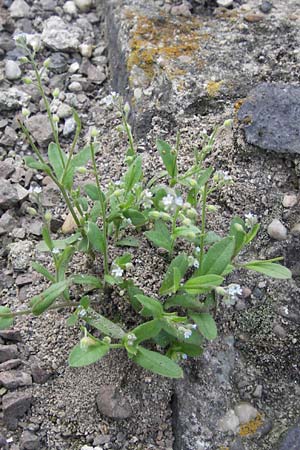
<point x="229" y="422"/>
<point x="225" y="3"/>
<point x="74" y="67"/>
<point x="84" y="5"/>
<point x="289" y="200"/>
<point x="75" y="86"/>
<point x="70" y="8"/>
<point x="245" y="412"/>
<point x="277" y="230"/>
<point x="12" y="70"/>
<point x="86" y="50"/>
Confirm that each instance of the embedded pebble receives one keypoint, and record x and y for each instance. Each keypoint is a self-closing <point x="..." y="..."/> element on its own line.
<point x="245" y="412"/>
<point x="70" y="8"/>
<point x="277" y="230"/>
<point x="86" y="50"/>
<point x="84" y="5"/>
<point x="296" y="229"/>
<point x="69" y="126"/>
<point x="12" y="70"/>
<point x="75" y="86"/>
<point x="19" y="9"/>
<point x="64" y="111"/>
<point x="225" y="3"/>
<point x="229" y="422"/>
<point x="289" y="200"/>
<point x="265" y="6"/>
<point x="74" y="67"/>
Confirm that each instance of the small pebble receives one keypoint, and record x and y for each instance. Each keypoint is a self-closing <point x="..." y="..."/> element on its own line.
<point x="225" y="3"/>
<point x="74" y="67"/>
<point x="265" y="6"/>
<point x="70" y="8"/>
<point x="258" y="391"/>
<point x="296" y="229"/>
<point x="277" y="230"/>
<point x="245" y="412"/>
<point x="279" y="331"/>
<point x="229" y="422"/>
<point x="289" y="200"/>
<point x="75" y="86"/>
<point x="84" y="5"/>
<point x="86" y="50"/>
<point x="12" y="70"/>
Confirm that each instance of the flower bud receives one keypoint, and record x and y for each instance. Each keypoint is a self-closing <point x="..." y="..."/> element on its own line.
<point x="47" y="63"/>
<point x="27" y="80"/>
<point x="126" y="108"/>
<point x="55" y="93"/>
<point x="94" y="132"/>
<point x="55" y="118"/>
<point x="25" y="112"/>
<point x="187" y="222"/>
<point x="228" y="123"/>
<point x="154" y="214"/>
<point x="211" y="208"/>
<point x="120" y="128"/>
<point x="31" y="211"/>
<point x="192" y="213"/>
<point x="81" y="170"/>
<point x="238" y="227"/>
<point x="23" y="60"/>
<point x="48" y="216"/>
<point x="190" y="235"/>
<point x="106" y="339"/>
<point x="87" y="342"/>
<point x="192" y="182"/>
<point x="165" y="216"/>
<point x="219" y="290"/>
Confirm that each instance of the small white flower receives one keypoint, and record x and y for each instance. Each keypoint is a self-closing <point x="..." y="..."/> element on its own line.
<point x="168" y="200"/>
<point x="131" y="337"/>
<point x="187" y="334"/>
<point x="184" y="356"/>
<point x="117" y="271"/>
<point x="178" y="201"/>
<point x="82" y="311"/>
<point x="251" y="220"/>
<point x="197" y="249"/>
<point x="222" y="175"/>
<point x="110" y="99"/>
<point x="56" y="251"/>
<point x="118" y="182"/>
<point x="234" y="289"/>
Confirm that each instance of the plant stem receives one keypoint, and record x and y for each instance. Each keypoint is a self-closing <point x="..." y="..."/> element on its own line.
<point x="103" y="209"/>
<point x="47" y="106"/>
<point x="203" y="223"/>
<point x="173" y="229"/>
<point x="128" y="132"/>
<point x="29" y="311"/>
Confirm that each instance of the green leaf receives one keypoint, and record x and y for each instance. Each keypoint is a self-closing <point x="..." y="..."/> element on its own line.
<point x="96" y="237"/>
<point x="132" y="291"/>
<point x="204" y="177"/>
<point x="270" y="269"/>
<point x="188" y="349"/>
<point x="89" y="280"/>
<point x="147" y="330"/>
<point x="5" y="322"/>
<point x="61" y="244"/>
<point x="137" y="218"/>
<point x="202" y="284"/>
<point x="95" y="212"/>
<point x="186" y="232"/>
<point x="168" y="156"/>
<point x="133" y="174"/>
<point x="72" y="320"/>
<point x="54" y="155"/>
<point x="157" y="363"/>
<point x="82" y="157"/>
<point x="47" y="238"/>
<point x="43" y="301"/>
<point x="121" y="261"/>
<point x="176" y="271"/>
<point x="32" y="163"/>
<point x="106" y="326"/>
<point x="80" y="357"/>
<point x="63" y="262"/>
<point x="185" y="300"/>
<point x="237" y="230"/>
<point x="128" y="242"/>
<point x="252" y="233"/>
<point x="211" y="238"/>
<point x="218" y="257"/>
<point x="160" y="236"/>
<point x="92" y="191"/>
<point x="43" y="271"/>
<point x="206" y="325"/>
<point x="151" y="307"/>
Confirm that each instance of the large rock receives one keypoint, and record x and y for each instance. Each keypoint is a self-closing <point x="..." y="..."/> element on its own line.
<point x="29" y="441"/>
<point x="40" y="128"/>
<point x="11" y="194"/>
<point x="8" y="352"/>
<point x="15" y="405"/>
<point x="112" y="404"/>
<point x="61" y="36"/>
<point x="19" y="255"/>
<point x="270" y="117"/>
<point x="291" y="440"/>
<point x="9" y="100"/>
<point x="19" y="9"/>
<point x="13" y="379"/>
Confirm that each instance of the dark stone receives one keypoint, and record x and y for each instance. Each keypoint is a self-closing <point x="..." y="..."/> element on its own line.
<point x="8" y="352"/>
<point x="11" y="335"/>
<point x="11" y="194"/>
<point x="265" y="6"/>
<point x="15" y="405"/>
<point x="270" y="117"/>
<point x="111" y="403"/>
<point x="6" y="169"/>
<point x="291" y="440"/>
<point x="56" y="224"/>
<point x="14" y="379"/>
<point x="39" y="375"/>
<point x="237" y="444"/>
<point x="29" y="441"/>
<point x="59" y="62"/>
<point x="3" y="441"/>
<point x="11" y="364"/>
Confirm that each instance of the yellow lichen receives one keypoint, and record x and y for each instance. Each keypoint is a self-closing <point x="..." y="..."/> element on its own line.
<point x="252" y="426"/>
<point x="160" y="40"/>
<point x="213" y="88"/>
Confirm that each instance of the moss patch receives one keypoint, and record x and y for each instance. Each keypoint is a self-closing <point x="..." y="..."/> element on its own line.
<point x="162" y="40"/>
